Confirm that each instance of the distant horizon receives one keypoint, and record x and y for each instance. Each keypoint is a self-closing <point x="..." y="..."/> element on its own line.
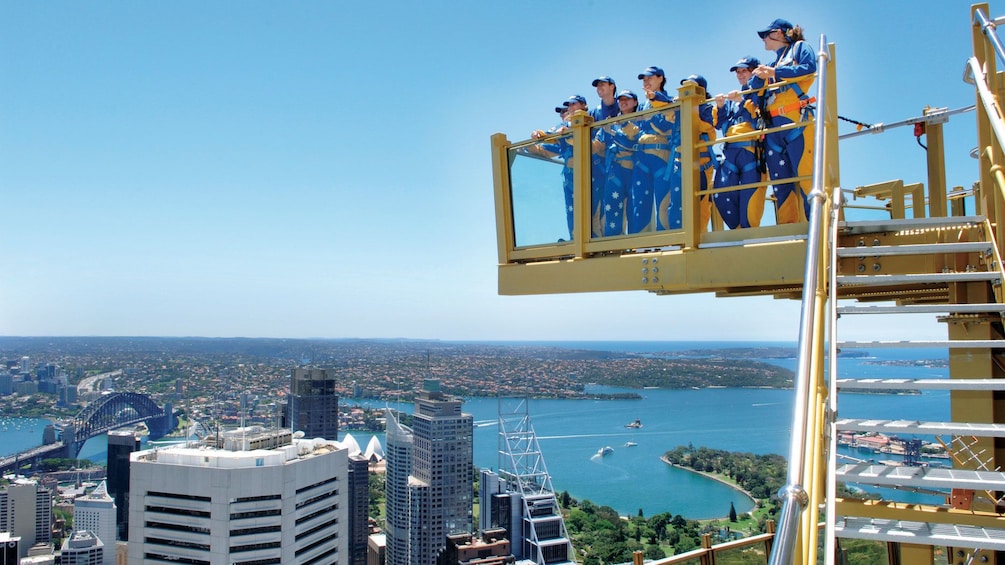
<point x="444" y="339"/>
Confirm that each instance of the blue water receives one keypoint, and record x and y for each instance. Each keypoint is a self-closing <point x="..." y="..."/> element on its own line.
<point x="631" y="478"/>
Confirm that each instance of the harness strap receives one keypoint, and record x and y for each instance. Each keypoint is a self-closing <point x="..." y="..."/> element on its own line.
<point x="803" y="102"/>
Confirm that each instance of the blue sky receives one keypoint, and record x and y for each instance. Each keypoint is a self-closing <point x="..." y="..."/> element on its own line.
<point x="322" y="169"/>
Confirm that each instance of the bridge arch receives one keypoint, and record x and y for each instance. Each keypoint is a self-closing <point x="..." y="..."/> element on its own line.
<point x="114" y="410"/>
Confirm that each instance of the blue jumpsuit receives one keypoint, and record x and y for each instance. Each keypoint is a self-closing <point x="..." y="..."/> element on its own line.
<point x="619" y="164"/>
<point x="562" y="148"/>
<point x="598" y="169"/>
<point x="652" y="176"/>
<point x="742" y="208"/>
<point x="789" y="153"/>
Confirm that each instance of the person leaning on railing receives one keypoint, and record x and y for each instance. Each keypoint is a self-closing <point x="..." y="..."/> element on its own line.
<point x="736" y="114"/>
<point x="651" y="176"/>
<point x="619" y="152"/>
<point x="560" y="147"/>
<point x="607" y="108"/>
<point x="787" y="153"/>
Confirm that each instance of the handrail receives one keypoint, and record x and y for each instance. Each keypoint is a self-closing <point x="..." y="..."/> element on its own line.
<point x="988" y="28"/>
<point x="988" y="100"/>
<point x="830" y="515"/>
<point x="793" y="495"/>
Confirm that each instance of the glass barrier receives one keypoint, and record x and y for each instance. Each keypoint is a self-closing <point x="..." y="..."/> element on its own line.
<point x="541" y="191"/>
<point x="636" y="175"/>
<point x="754" y="555"/>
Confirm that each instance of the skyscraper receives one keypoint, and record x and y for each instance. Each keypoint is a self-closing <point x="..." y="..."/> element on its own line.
<point x="429" y="478"/>
<point x="26" y="512"/>
<point x="256" y="496"/>
<point x="96" y="514"/>
<point x="358" y="508"/>
<point x="313" y="404"/>
<point x="120" y="445"/>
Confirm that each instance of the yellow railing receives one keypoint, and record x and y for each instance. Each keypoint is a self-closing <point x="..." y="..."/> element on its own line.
<point x="547" y="202"/>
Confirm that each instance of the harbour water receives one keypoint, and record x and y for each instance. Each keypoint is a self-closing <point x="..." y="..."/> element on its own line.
<point x="571" y="432"/>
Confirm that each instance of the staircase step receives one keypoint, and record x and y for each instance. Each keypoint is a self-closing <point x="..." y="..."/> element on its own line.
<point x="923" y="477"/>
<point x="920" y="533"/>
<point x="917" y="278"/>
<point x="876" y="226"/>
<point x="952" y="344"/>
<point x="979" y="429"/>
<point x="914" y="249"/>
<point x="921" y="384"/>
<point x="923" y="309"/>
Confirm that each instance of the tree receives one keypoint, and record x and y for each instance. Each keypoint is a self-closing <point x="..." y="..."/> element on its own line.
<point x="654" y="552"/>
<point x="564" y="499"/>
<point x="732" y="512"/>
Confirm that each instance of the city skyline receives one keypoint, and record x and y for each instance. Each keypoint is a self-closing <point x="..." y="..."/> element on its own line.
<point x="218" y="171"/>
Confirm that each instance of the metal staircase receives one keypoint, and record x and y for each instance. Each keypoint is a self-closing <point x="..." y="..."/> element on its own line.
<point x="948" y="267"/>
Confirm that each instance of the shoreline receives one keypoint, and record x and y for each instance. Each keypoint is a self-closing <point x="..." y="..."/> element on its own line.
<point x="733" y="486"/>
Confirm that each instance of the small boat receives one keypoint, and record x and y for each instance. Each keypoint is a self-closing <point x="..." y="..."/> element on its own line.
<point x="606" y="450"/>
<point x="636" y="424"/>
<point x="630" y="444"/>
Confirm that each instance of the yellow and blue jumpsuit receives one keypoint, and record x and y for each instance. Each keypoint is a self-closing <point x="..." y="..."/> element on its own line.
<point x="652" y="170"/>
<point x="619" y="151"/>
<point x="741" y="208"/>
<point x="789" y="153"/>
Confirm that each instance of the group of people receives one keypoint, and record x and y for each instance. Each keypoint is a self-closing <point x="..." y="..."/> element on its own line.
<point x="636" y="170"/>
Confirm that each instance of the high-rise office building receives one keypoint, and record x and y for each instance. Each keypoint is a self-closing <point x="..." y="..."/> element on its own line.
<point x="26" y="512"/>
<point x="429" y="478"/>
<point x="95" y="513"/>
<point x="359" y="507"/>
<point x="313" y="403"/>
<point x="253" y="496"/>
<point x="85" y="548"/>
<point x="120" y="445"/>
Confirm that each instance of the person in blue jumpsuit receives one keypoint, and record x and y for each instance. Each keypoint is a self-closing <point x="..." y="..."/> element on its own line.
<point x="736" y="113"/>
<point x="608" y="107"/>
<point x="706" y="156"/>
<point x="561" y="148"/>
<point x="652" y="171"/>
<point x="619" y="153"/>
<point x="787" y="153"/>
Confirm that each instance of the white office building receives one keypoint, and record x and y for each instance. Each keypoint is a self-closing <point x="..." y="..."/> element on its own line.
<point x="95" y="513"/>
<point x="251" y="496"/>
<point x="84" y="548"/>
<point x="26" y="512"/>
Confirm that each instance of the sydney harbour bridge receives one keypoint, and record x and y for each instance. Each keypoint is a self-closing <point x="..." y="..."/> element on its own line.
<point x="110" y="411"/>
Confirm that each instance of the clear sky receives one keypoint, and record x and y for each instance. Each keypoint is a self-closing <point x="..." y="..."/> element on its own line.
<point x="322" y="169"/>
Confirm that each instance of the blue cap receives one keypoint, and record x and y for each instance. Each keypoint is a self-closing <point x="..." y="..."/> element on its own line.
<point x="779" y="23"/>
<point x="560" y="109"/>
<point x="627" y="94"/>
<point x="700" y="80"/>
<point x="651" y="71"/>
<point x="745" y="63"/>
<point x="573" y="99"/>
<point x="603" y="78"/>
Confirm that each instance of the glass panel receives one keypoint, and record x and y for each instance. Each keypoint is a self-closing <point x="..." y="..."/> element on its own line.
<point x="541" y="191"/>
<point x="635" y="174"/>
<point x="863" y="551"/>
<point x="752" y="555"/>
